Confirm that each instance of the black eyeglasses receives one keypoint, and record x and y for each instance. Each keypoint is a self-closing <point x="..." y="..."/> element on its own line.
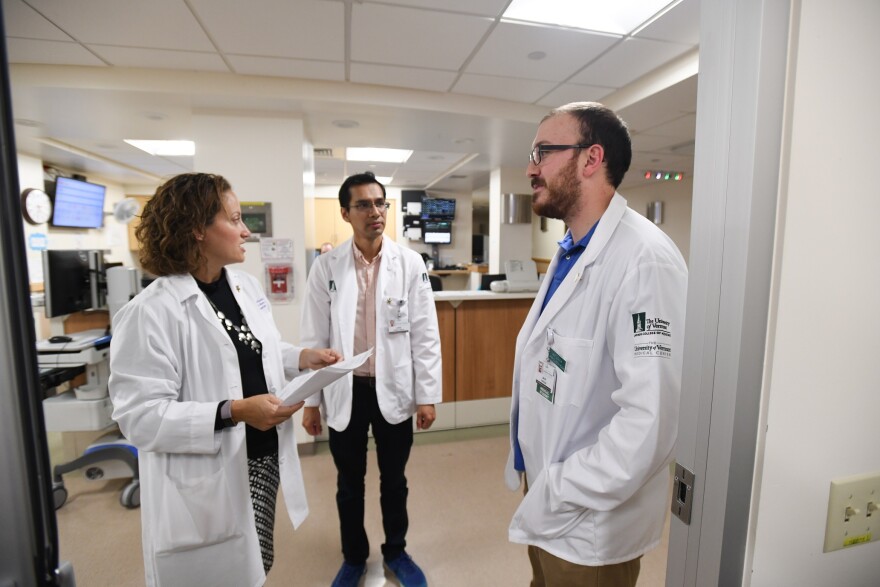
<point x="537" y="154"/>
<point x="367" y="205"/>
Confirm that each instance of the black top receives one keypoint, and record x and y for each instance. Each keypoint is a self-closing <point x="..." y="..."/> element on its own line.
<point x="253" y="379"/>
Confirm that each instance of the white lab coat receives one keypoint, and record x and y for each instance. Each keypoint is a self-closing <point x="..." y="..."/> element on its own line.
<point x="171" y="363"/>
<point x="597" y="459"/>
<point x="408" y="368"/>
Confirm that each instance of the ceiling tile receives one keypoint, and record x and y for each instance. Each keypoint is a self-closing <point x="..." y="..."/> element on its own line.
<point x="574" y="93"/>
<point x="24" y="22"/>
<point x="54" y="52"/>
<point x="305" y="29"/>
<point x="506" y="51"/>
<point x="408" y="36"/>
<point x="280" y="67"/>
<point x="404" y="77"/>
<point x="159" y="58"/>
<point x="629" y="61"/>
<point x="663" y="106"/>
<point x="681" y="24"/>
<point x="653" y="142"/>
<point x="684" y="126"/>
<point x="491" y="8"/>
<point x="159" y="24"/>
<point x="505" y="88"/>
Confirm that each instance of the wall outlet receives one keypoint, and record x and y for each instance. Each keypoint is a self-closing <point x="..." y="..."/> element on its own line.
<point x="853" y="516"/>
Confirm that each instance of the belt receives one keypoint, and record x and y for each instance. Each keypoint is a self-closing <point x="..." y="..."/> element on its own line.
<point x="367" y="381"/>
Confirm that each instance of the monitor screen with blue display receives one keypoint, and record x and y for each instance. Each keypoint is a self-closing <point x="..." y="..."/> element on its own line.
<point x="78" y="204"/>
<point x="438" y="208"/>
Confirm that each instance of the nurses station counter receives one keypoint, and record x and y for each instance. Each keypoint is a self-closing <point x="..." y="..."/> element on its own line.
<point x="478" y="332"/>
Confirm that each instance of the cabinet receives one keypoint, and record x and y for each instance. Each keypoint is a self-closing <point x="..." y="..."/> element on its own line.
<point x="133" y="244"/>
<point x="331" y="228"/>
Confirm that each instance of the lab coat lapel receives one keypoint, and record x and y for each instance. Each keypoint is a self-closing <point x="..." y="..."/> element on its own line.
<point x="607" y="225"/>
<point x="187" y="291"/>
<point x="342" y="274"/>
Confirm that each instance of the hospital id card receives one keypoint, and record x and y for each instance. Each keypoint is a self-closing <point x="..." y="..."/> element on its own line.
<point x="545" y="381"/>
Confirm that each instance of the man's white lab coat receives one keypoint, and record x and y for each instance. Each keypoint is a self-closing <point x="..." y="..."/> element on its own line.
<point x="597" y="457"/>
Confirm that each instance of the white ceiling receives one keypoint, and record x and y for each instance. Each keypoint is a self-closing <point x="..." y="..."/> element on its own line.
<point x="447" y="78"/>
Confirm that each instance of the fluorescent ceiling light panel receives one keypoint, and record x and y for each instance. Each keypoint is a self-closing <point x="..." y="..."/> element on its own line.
<point x="379" y="155"/>
<point x="619" y="17"/>
<point x="383" y="180"/>
<point x="165" y="148"/>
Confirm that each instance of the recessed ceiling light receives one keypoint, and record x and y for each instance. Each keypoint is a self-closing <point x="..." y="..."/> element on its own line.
<point x="165" y="148"/>
<point x="346" y="123"/>
<point x="377" y="154"/>
<point x="384" y="178"/>
<point x="536" y="55"/>
<point x="620" y="17"/>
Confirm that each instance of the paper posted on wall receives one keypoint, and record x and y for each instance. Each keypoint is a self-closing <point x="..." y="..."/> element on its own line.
<point x="309" y="384"/>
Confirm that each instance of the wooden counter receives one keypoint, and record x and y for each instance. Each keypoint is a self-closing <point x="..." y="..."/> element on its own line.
<point x="478" y="332"/>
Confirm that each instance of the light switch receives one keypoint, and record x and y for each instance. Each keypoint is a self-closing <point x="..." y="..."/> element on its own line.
<point x="852" y="511"/>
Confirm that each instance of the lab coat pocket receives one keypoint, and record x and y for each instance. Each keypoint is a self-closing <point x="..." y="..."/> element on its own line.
<point x="195" y="513"/>
<point x="535" y="517"/>
<point x="571" y="382"/>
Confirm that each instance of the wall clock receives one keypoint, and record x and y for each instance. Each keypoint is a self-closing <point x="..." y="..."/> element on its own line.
<point x="36" y="207"/>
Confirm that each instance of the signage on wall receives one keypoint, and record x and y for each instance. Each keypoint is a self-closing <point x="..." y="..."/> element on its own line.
<point x="38" y="241"/>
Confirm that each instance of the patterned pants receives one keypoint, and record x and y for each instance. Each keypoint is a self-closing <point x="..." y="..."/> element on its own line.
<point x="263" y="477"/>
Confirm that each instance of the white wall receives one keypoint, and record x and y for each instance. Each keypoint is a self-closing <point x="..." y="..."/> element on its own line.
<point x="821" y="403"/>
<point x="677" y="198"/>
<point x="507" y="241"/>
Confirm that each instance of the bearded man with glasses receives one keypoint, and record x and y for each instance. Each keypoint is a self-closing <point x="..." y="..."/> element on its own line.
<point x="371" y="293"/>
<point x="597" y="375"/>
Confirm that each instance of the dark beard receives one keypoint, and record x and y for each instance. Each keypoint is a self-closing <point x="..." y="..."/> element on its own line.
<point x="563" y="195"/>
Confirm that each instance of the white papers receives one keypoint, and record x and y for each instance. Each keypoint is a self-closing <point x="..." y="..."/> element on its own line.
<point x="311" y="383"/>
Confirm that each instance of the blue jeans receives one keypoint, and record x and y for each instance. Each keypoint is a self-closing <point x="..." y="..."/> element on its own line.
<point x="349" y="450"/>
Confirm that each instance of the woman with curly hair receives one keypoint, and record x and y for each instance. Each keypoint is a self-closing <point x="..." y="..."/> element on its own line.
<point x="196" y="360"/>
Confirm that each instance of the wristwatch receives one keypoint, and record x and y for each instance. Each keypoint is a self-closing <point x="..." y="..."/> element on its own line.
<point x="226" y="414"/>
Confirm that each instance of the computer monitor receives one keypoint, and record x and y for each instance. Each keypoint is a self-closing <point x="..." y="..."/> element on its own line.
<point x="487" y="278"/>
<point x="437" y="233"/>
<point x="438" y="209"/>
<point x="73" y="281"/>
<point x="78" y="204"/>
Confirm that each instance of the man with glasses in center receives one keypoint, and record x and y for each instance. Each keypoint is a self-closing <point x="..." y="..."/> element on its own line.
<point x="371" y="293"/>
<point x="597" y="374"/>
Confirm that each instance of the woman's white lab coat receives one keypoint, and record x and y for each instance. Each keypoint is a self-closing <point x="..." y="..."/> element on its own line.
<point x="597" y="457"/>
<point x="408" y="368"/>
<point x="171" y="363"/>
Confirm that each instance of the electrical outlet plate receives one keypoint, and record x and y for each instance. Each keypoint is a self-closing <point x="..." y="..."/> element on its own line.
<point x="852" y="515"/>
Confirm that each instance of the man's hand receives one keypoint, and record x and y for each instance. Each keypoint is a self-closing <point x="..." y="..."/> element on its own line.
<point x="312" y="421"/>
<point x="317" y="358"/>
<point x="425" y="416"/>
<point x="263" y="411"/>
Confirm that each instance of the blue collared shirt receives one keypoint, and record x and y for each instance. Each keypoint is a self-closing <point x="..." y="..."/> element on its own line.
<point x="571" y="252"/>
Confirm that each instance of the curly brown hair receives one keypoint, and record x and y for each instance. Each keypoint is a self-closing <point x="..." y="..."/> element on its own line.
<point x="182" y="207"/>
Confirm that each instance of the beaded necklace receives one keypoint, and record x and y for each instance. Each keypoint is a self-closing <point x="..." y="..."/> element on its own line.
<point x="244" y="332"/>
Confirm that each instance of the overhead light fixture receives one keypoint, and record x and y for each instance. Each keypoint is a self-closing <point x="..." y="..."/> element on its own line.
<point x="165" y="148"/>
<point x="619" y="18"/>
<point x="375" y="154"/>
<point x="384" y="179"/>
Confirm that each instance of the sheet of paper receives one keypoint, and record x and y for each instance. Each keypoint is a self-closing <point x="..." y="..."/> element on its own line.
<point x="311" y="383"/>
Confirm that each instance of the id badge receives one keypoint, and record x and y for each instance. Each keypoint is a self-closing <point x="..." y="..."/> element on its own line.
<point x="545" y="381"/>
<point x="397" y="315"/>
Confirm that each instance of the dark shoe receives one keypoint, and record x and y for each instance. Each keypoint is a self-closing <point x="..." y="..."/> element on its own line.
<point x="407" y="571"/>
<point x="349" y="575"/>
